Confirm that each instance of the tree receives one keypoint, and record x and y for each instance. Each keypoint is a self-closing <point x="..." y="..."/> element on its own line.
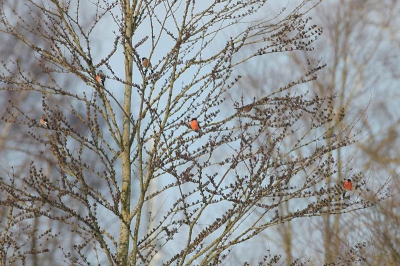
<point x="131" y="160"/>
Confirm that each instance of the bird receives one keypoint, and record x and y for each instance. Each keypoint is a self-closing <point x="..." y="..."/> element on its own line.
<point x="245" y="109"/>
<point x="347" y="186"/>
<point x="146" y="63"/>
<point x="44" y="121"/>
<point x="101" y="77"/>
<point x="195" y="125"/>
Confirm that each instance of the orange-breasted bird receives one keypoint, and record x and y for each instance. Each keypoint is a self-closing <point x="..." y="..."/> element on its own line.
<point x="347" y="186"/>
<point x="44" y="121"/>
<point x="195" y="125"/>
<point x="145" y="62"/>
<point x="100" y="77"/>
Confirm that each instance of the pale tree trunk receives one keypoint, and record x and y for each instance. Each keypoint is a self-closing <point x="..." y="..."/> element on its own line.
<point x="126" y="142"/>
<point x="287" y="236"/>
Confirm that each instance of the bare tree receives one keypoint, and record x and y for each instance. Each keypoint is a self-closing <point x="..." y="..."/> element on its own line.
<point x="130" y="178"/>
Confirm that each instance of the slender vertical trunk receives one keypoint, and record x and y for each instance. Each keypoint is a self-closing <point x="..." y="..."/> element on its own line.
<point x="34" y="243"/>
<point x="287" y="235"/>
<point x="126" y="132"/>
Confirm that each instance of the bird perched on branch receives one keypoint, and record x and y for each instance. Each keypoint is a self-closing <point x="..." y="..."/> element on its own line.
<point x="100" y="77"/>
<point x="347" y="186"/>
<point x="245" y="109"/>
<point x="146" y="63"/>
<point x="194" y="124"/>
<point x="44" y="121"/>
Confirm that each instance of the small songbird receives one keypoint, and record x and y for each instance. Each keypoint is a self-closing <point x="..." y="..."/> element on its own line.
<point x="100" y="77"/>
<point x="195" y="125"/>
<point x="146" y="63"/>
<point x="245" y="109"/>
<point x="347" y="186"/>
<point x="44" y="121"/>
